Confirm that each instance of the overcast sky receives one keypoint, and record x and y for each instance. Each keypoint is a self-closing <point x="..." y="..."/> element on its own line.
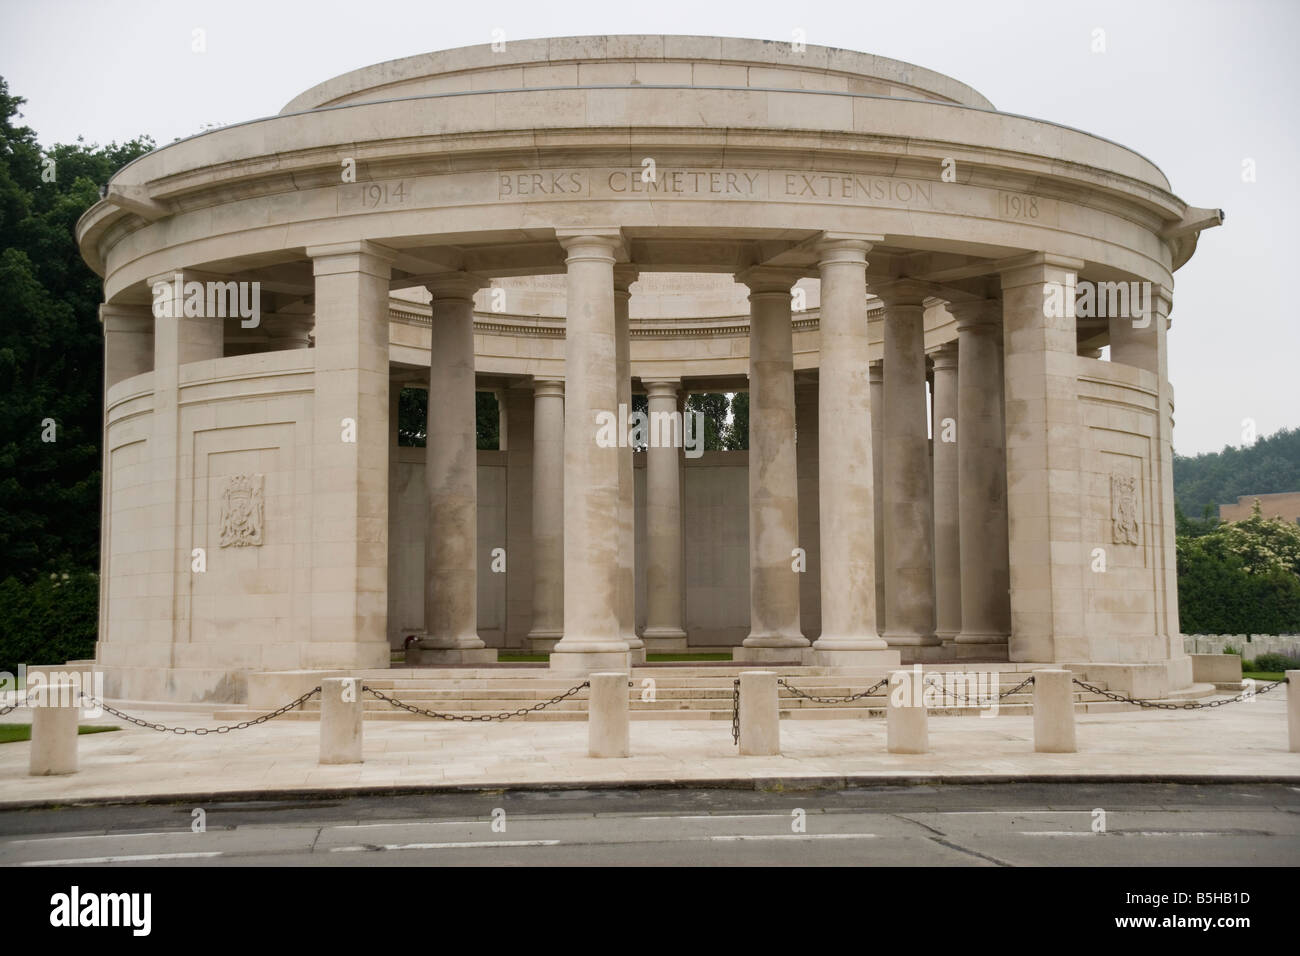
<point x="1197" y="87"/>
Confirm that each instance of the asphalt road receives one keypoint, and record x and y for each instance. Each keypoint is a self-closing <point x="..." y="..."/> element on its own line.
<point x="981" y="825"/>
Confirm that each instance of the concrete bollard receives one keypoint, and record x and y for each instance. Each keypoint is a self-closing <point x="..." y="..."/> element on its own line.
<point x="55" y="709"/>
<point x="1054" y="711"/>
<point x="1293" y="709"/>
<point x="341" y="720"/>
<point x="907" y="717"/>
<point x="607" y="716"/>
<point x="760" y="714"/>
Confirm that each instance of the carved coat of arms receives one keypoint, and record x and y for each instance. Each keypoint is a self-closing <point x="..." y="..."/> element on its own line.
<point x="241" y="512"/>
<point x="1123" y="509"/>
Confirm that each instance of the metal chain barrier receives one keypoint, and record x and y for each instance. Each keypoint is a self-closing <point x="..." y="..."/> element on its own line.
<point x="1187" y="705"/>
<point x="832" y="700"/>
<point x="977" y="700"/>
<point x="505" y="715"/>
<point x="202" y="731"/>
<point x="735" y="712"/>
<point x="20" y="702"/>
<point x="735" y="700"/>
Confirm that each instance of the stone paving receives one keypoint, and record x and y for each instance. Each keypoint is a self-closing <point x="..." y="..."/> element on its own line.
<point x="1242" y="739"/>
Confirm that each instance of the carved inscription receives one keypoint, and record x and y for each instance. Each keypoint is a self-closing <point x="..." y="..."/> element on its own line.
<point x="1017" y="206"/>
<point x="716" y="183"/>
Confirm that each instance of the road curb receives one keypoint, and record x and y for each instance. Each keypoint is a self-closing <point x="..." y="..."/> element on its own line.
<point x="764" y="784"/>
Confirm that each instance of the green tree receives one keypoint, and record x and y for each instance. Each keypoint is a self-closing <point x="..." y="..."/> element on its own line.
<point x="51" y="382"/>
<point x="1263" y="544"/>
<point x="1218" y="595"/>
<point x="1269" y="466"/>
<point x="50" y="620"/>
<point x="714" y="405"/>
<point x="488" y="421"/>
<point x="412" y="419"/>
<point x="1240" y="577"/>
<point x="1192" y="527"/>
<point x="737" y="435"/>
<point x="51" y="350"/>
<point x="412" y="406"/>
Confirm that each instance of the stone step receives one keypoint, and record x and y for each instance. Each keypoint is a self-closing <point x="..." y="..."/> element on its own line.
<point x="701" y="703"/>
<point x="541" y="672"/>
<point x="720" y="714"/>
<point x="825" y="686"/>
<point x="670" y="696"/>
<point x="515" y="698"/>
<point x="635" y="695"/>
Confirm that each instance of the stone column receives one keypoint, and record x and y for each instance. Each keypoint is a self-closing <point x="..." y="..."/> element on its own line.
<point x="128" y="341"/>
<point x="451" y="481"/>
<point x="981" y="479"/>
<point x="624" y="276"/>
<point x="1047" y="554"/>
<point x="909" y="594"/>
<point x="877" y="379"/>
<point x="1141" y="341"/>
<point x="548" y="515"/>
<point x="519" y="431"/>
<point x="396" y="638"/>
<point x="349" y="572"/>
<point x="128" y="351"/>
<point x="592" y="534"/>
<point x="947" y="552"/>
<point x="395" y="386"/>
<point x="845" y="492"/>
<point x="663" y="629"/>
<point x="178" y="340"/>
<point x="806" y="452"/>
<point x="289" y="330"/>
<point x="773" y="477"/>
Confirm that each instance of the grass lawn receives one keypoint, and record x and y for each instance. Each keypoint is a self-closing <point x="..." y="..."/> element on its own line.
<point x="12" y="733"/>
<point x="1262" y="675"/>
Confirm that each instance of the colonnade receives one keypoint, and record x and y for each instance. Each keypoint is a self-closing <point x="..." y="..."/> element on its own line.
<point x="937" y="519"/>
<point x="964" y="544"/>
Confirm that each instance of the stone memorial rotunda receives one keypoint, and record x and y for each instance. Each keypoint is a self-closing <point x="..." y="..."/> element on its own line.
<point x="951" y="324"/>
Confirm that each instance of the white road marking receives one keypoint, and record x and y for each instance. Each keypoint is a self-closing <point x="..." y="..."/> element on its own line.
<point x="1004" y="813"/>
<point x="720" y="816"/>
<point x="795" y="836"/>
<point x="523" y="843"/>
<point x="95" y="836"/>
<point x="1144" y="833"/>
<point x="418" y="823"/>
<point x="140" y="858"/>
<point x="445" y="846"/>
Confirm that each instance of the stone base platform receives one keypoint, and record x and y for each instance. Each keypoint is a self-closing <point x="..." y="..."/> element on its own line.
<point x="672" y="692"/>
<point x="278" y="759"/>
<point x="450" y="656"/>
<point x="270" y="689"/>
<point x="812" y="657"/>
